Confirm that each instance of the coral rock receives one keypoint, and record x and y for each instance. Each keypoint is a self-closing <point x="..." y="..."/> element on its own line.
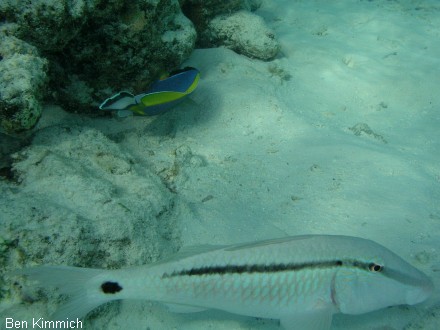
<point x="22" y="83"/>
<point x="245" y="33"/>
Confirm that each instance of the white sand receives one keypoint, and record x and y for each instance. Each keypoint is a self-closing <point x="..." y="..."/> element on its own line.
<point x="339" y="135"/>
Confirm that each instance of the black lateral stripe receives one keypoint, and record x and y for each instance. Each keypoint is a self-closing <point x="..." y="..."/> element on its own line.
<point x="272" y="268"/>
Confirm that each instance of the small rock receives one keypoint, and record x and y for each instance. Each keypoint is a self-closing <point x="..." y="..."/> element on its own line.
<point x="245" y="33"/>
<point x="363" y="129"/>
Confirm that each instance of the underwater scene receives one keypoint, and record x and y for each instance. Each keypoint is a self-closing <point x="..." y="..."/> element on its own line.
<point x="227" y="165"/>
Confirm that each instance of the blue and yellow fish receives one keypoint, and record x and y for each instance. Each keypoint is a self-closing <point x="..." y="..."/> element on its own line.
<point x="162" y="95"/>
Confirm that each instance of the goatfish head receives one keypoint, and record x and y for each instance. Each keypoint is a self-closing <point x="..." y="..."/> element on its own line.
<point x="377" y="280"/>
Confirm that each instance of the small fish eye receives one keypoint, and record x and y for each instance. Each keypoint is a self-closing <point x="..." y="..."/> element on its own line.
<point x="375" y="268"/>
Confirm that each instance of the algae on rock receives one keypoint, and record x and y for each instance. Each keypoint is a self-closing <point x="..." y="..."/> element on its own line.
<point x="22" y="84"/>
<point x="94" y="49"/>
<point x="91" y="49"/>
<point x="245" y="33"/>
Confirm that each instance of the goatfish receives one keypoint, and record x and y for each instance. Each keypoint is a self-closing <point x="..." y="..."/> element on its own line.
<point x="300" y="280"/>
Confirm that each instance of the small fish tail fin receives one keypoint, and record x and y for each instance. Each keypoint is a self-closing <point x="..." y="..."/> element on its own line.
<point x="80" y="284"/>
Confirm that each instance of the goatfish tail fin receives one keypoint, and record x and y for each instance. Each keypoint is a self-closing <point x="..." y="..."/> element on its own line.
<point x="80" y="284"/>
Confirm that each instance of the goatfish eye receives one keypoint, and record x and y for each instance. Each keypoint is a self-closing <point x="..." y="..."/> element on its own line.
<point x="375" y="268"/>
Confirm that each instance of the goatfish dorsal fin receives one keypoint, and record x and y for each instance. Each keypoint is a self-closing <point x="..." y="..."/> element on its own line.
<point x="162" y="95"/>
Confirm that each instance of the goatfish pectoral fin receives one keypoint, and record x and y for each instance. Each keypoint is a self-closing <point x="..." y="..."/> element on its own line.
<point x="183" y="309"/>
<point x="316" y="320"/>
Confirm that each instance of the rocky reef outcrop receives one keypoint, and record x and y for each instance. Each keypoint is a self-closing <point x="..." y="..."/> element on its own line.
<point x="232" y="24"/>
<point x="23" y="79"/>
<point x="77" y="53"/>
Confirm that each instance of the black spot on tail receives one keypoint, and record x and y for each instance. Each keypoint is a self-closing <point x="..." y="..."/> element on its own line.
<point x="110" y="287"/>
